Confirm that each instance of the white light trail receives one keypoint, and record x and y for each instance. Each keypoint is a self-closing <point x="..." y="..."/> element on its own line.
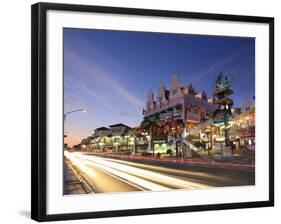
<point x="79" y="165"/>
<point x="151" y="180"/>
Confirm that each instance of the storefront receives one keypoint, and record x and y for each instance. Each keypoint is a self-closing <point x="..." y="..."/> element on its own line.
<point x="160" y="144"/>
<point x="248" y="138"/>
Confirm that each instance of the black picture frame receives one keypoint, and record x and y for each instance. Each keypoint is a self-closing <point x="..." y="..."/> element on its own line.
<point x="39" y="108"/>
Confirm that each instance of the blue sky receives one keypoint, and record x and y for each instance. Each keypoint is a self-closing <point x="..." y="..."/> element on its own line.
<point x="110" y="72"/>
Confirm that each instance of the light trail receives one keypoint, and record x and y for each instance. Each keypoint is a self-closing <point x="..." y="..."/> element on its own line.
<point x="162" y="179"/>
<point x="143" y="179"/>
<point x="130" y="179"/>
<point x="170" y="170"/>
<point x="76" y="162"/>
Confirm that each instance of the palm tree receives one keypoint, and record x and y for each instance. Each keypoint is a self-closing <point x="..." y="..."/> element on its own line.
<point x="150" y="124"/>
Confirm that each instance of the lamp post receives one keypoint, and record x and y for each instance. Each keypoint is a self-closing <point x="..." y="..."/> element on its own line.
<point x="69" y="112"/>
<point x="73" y="111"/>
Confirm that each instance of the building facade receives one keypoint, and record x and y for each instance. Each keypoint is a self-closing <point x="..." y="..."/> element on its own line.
<point x="178" y="109"/>
<point x="241" y="128"/>
<point x="179" y="105"/>
<point x="118" y="137"/>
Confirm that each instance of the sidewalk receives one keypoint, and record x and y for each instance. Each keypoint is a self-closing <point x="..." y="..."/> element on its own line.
<point x="72" y="182"/>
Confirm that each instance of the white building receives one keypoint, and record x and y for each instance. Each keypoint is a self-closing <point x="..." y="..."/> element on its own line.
<point x="179" y="104"/>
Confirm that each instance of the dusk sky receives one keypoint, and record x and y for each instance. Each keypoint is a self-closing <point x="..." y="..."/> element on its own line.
<point x="109" y="72"/>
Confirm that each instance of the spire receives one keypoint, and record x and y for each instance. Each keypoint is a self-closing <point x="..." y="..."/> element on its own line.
<point x="174" y="85"/>
<point x="150" y="96"/>
<point x="246" y="104"/>
<point x="149" y="100"/>
<point x="175" y="81"/>
<point x="161" y="96"/>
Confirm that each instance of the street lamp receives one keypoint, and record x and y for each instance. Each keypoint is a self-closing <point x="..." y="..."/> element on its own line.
<point x="73" y="111"/>
<point x="69" y="112"/>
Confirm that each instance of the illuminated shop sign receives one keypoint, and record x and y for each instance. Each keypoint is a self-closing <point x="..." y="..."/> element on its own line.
<point x="159" y="141"/>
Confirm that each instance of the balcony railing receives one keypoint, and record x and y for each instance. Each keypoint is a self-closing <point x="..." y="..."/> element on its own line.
<point x="193" y="116"/>
<point x="162" y="116"/>
<point x="178" y="112"/>
<point x="169" y="115"/>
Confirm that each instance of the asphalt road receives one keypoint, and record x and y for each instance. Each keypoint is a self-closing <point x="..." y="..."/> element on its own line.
<point x="115" y="175"/>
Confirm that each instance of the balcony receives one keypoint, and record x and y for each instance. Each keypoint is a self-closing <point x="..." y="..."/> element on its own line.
<point x="193" y="117"/>
<point x="169" y="115"/>
<point x="162" y="116"/>
<point x="178" y="113"/>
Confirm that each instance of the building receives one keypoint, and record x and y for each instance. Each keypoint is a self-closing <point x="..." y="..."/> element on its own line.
<point x="118" y="137"/>
<point x="101" y="132"/>
<point x="241" y="129"/>
<point x="179" y="103"/>
<point x="122" y="137"/>
<point x="179" y="109"/>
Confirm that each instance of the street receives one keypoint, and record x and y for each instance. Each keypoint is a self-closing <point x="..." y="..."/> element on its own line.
<point x="115" y="175"/>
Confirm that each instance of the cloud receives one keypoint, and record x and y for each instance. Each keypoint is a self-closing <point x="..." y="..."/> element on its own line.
<point x="108" y="102"/>
<point x="127" y="114"/>
<point x="86" y="89"/>
<point x="94" y="73"/>
<point x="227" y="60"/>
<point x="71" y="100"/>
<point x="215" y="68"/>
<point x="98" y="96"/>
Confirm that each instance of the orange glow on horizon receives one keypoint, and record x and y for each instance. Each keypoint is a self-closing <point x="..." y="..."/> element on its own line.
<point x="72" y="140"/>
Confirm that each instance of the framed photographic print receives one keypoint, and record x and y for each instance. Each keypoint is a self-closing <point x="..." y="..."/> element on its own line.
<point x="138" y="111"/>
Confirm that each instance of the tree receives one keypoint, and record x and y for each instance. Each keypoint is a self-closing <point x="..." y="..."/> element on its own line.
<point x="150" y="124"/>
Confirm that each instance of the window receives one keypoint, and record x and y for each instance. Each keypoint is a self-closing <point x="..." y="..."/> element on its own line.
<point x="174" y="92"/>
